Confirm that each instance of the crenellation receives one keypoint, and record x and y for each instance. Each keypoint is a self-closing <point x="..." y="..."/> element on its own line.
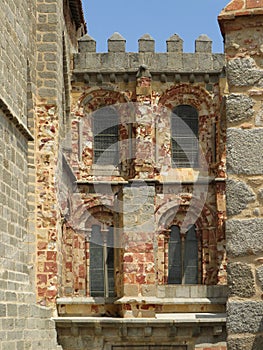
<point x="203" y="44"/>
<point x="116" y="43"/>
<point x="174" y="44"/>
<point x="146" y="43"/>
<point x="86" y="44"/>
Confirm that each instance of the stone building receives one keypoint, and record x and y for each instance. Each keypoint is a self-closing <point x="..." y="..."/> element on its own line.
<point x="113" y="185"/>
<point x="37" y="40"/>
<point x="143" y="239"/>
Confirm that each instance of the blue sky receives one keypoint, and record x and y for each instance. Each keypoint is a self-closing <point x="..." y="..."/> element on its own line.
<point x="161" y="19"/>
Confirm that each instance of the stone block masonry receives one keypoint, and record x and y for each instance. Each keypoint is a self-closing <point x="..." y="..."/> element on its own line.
<point x="24" y="325"/>
<point x="31" y="38"/>
<point x="241" y="25"/>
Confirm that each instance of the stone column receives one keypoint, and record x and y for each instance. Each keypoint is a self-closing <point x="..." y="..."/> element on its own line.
<point x="242" y="27"/>
<point x="138" y="241"/>
<point x="49" y="77"/>
<point x="145" y="126"/>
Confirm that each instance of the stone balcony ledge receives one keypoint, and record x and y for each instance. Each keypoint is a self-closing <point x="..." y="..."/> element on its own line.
<point x="169" y="301"/>
<point x="159" y="319"/>
<point x="140" y="300"/>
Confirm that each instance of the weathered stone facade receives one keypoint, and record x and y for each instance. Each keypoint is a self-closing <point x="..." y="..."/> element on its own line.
<point x="143" y="197"/>
<point x="112" y="231"/>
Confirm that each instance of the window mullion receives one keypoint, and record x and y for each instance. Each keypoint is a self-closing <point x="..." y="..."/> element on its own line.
<point x="183" y="257"/>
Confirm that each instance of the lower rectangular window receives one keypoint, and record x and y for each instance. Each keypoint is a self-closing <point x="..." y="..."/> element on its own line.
<point x="101" y="263"/>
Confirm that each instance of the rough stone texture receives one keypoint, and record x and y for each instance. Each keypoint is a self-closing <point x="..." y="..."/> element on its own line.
<point x="259" y="272"/>
<point x="242" y="150"/>
<point x="259" y="117"/>
<point x="239" y="195"/>
<point x="260" y="194"/>
<point x="245" y="343"/>
<point x="239" y="108"/>
<point x="245" y="317"/>
<point x="240" y="280"/>
<point x="244" y="236"/>
<point x="241" y="25"/>
<point x="244" y="72"/>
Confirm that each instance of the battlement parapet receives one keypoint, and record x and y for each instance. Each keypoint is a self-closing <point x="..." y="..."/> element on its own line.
<point x="117" y="43"/>
<point x="173" y="60"/>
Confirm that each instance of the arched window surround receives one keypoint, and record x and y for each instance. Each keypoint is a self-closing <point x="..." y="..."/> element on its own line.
<point x="173" y="213"/>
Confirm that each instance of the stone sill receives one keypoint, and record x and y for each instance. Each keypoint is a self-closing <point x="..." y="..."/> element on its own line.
<point x="192" y="291"/>
<point x="159" y="319"/>
<point x="141" y="300"/>
<point x="170" y="301"/>
<point x="84" y="300"/>
<point x="101" y="182"/>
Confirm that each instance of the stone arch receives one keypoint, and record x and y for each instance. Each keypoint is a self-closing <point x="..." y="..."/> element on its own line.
<point x="82" y="133"/>
<point x="165" y="215"/>
<point x="185" y="93"/>
<point x="206" y="106"/>
<point x="204" y="218"/>
<point x="92" y="211"/>
<point x="96" y="98"/>
<point x="99" y="215"/>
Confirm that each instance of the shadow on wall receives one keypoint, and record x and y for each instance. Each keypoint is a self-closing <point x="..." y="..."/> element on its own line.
<point x="258" y="342"/>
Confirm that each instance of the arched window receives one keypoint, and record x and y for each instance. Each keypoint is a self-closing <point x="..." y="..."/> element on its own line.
<point x="101" y="272"/>
<point x="184" y="137"/>
<point x="183" y="256"/>
<point x="105" y="136"/>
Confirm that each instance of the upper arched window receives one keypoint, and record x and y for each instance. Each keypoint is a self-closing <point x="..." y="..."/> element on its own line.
<point x="105" y="136"/>
<point x="184" y="137"/>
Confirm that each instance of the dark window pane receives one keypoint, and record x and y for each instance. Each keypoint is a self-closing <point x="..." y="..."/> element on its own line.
<point x="184" y="125"/>
<point x="174" y="257"/>
<point x="191" y="257"/>
<point x="110" y="261"/>
<point x="96" y="263"/>
<point x="97" y="275"/>
<point x="106" y="136"/>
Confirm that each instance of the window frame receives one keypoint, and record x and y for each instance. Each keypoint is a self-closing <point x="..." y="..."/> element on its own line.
<point x="181" y="260"/>
<point x="104" y="245"/>
<point x="105" y="152"/>
<point x="185" y="136"/>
